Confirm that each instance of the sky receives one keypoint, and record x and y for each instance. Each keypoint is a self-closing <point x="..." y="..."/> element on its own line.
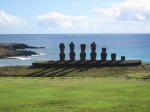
<point x="74" y="16"/>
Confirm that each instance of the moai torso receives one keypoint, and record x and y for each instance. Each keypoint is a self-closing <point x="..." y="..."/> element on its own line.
<point x="83" y="54"/>
<point x="103" y="54"/>
<point x="93" y="53"/>
<point x="72" y="53"/>
<point x="62" y="54"/>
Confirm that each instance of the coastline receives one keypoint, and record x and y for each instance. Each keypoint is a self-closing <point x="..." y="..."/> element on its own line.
<point x="8" y="50"/>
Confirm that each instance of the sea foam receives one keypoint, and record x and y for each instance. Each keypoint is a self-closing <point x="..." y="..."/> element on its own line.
<point x="20" y="58"/>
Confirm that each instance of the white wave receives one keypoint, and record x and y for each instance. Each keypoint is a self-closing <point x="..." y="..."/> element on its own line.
<point x="20" y="58"/>
<point x="40" y="54"/>
<point x="36" y="55"/>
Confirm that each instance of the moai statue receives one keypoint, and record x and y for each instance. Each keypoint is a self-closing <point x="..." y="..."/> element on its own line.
<point x="62" y="54"/>
<point x="72" y="53"/>
<point x="113" y="57"/>
<point x="123" y="58"/>
<point x="93" y="53"/>
<point x="82" y="54"/>
<point x="103" y="54"/>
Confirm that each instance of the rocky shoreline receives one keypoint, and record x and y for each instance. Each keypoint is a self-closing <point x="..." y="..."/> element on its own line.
<point x="8" y="50"/>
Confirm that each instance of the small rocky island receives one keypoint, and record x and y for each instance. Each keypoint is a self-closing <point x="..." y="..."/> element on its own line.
<point x="8" y="50"/>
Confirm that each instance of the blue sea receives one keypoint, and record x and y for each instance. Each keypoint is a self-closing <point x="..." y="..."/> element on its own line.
<point x="133" y="46"/>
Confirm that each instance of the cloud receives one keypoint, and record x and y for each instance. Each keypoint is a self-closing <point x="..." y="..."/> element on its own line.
<point x="130" y="10"/>
<point x="54" y="19"/>
<point x="9" y="20"/>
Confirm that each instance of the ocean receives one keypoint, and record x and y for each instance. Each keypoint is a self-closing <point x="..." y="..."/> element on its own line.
<point x="132" y="46"/>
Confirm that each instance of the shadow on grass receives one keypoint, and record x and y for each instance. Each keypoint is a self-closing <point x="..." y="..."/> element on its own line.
<point x="56" y="72"/>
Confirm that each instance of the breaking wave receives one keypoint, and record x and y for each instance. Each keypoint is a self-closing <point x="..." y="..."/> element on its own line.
<point x="20" y="58"/>
<point x="40" y="54"/>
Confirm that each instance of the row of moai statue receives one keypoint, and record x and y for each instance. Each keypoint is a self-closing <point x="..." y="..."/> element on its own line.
<point x="93" y="54"/>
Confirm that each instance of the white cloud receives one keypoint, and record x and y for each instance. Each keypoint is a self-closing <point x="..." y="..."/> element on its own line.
<point x="54" y="19"/>
<point x="140" y="16"/>
<point x="130" y="10"/>
<point x="9" y="20"/>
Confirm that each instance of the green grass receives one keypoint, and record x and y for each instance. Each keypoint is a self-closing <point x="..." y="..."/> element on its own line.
<point x="74" y="95"/>
<point x="26" y="71"/>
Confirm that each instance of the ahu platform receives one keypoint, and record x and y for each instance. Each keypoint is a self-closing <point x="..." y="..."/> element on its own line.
<point x="83" y="62"/>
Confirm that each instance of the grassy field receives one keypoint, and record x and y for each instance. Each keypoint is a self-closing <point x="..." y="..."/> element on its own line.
<point x="74" y="89"/>
<point x="76" y="94"/>
<point x="27" y="71"/>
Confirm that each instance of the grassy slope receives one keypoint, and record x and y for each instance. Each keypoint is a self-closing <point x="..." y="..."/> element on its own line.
<point x="74" y="95"/>
<point x="139" y="71"/>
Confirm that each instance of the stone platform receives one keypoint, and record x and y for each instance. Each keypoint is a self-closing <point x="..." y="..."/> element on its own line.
<point x="87" y="63"/>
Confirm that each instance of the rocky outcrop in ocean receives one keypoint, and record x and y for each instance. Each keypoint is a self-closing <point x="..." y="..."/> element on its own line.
<point x="14" y="50"/>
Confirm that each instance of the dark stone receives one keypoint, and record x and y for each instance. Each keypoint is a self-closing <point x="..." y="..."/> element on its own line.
<point x="15" y="50"/>
<point x="62" y="54"/>
<point x="24" y="46"/>
<point x="103" y="50"/>
<point x="123" y="58"/>
<point x="103" y="54"/>
<point x="72" y="53"/>
<point x="93" y="53"/>
<point x="84" y="65"/>
<point x="82" y="54"/>
<point x="113" y="56"/>
<point x="25" y="53"/>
